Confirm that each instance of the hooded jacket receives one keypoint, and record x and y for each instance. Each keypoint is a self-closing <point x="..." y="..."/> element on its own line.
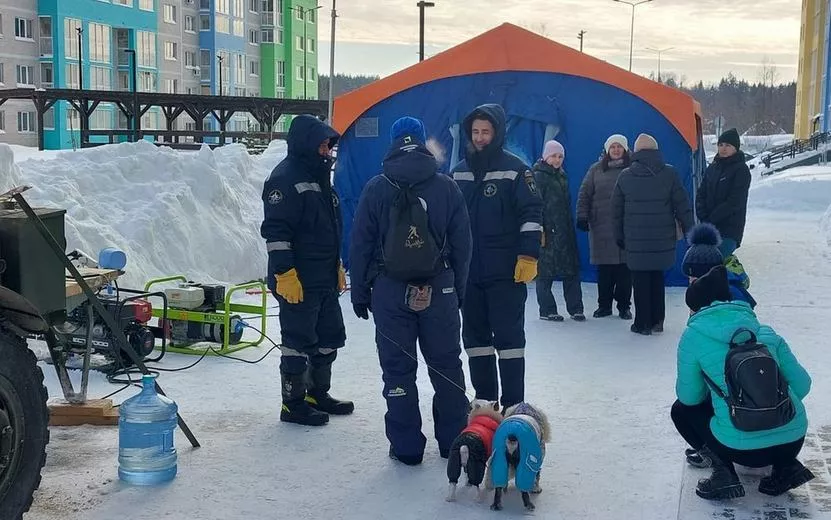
<point x="302" y="220"/>
<point x="502" y="200"/>
<point x="559" y="256"/>
<point x="722" y="196"/>
<point x="648" y="201"/>
<point x="703" y="349"/>
<point x="409" y="164"/>
<point x="483" y="427"/>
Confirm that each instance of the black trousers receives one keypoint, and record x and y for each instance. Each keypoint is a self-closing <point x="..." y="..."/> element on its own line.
<point x="572" y="292"/>
<point x="614" y="283"/>
<point x="693" y="423"/>
<point x="650" y="307"/>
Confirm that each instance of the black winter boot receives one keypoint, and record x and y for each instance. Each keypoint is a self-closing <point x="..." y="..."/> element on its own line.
<point x="602" y="313"/>
<point x="723" y="484"/>
<point x="295" y="409"/>
<point x="699" y="459"/>
<point x="626" y="314"/>
<point x="319" y="381"/>
<point x="785" y="478"/>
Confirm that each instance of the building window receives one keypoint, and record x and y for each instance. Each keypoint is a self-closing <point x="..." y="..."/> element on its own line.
<point x="99" y="42"/>
<point x="311" y="73"/>
<point x="239" y="8"/>
<point x="70" y="37"/>
<point x="171" y="51"/>
<point x="300" y="76"/>
<point x="279" y="13"/>
<point x="146" y="5"/>
<point x="253" y="37"/>
<point x="2" y="121"/>
<point x="49" y="119"/>
<point x="147" y="81"/>
<point x="299" y="43"/>
<point x="281" y="74"/>
<point x="47" y="76"/>
<point x="171" y="86"/>
<point x="205" y="58"/>
<point x="189" y="24"/>
<point x="239" y="28"/>
<point x="222" y="7"/>
<point x="241" y="68"/>
<point x="123" y="80"/>
<point x="2" y="74"/>
<point x="223" y="25"/>
<point x="101" y="118"/>
<point x="1" y="28"/>
<point x="169" y="13"/>
<point x="72" y="77"/>
<point x="254" y="68"/>
<point x="147" y="49"/>
<point x="204" y="22"/>
<point x="45" y="33"/>
<point x="298" y="14"/>
<point x="253" y="6"/>
<point x="311" y="45"/>
<point x="280" y="36"/>
<point x="25" y="122"/>
<point x="23" y="29"/>
<point x="101" y="78"/>
<point x="267" y="35"/>
<point x="128" y="3"/>
<point x="190" y="59"/>
<point x="205" y="5"/>
<point x="239" y="91"/>
<point x="25" y="75"/>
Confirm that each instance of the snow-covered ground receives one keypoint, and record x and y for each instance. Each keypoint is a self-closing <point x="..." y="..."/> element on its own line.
<point x="614" y="455"/>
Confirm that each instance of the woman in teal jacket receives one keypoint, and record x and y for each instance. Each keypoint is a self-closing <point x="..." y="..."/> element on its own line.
<point x="702" y="417"/>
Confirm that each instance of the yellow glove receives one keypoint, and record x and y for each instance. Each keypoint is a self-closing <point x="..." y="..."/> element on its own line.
<point x="526" y="269"/>
<point x="288" y="286"/>
<point x="341" y="278"/>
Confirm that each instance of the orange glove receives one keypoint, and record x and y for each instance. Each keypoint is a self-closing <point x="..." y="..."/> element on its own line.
<point x="289" y="287"/>
<point x="526" y="269"/>
<point x="341" y="278"/>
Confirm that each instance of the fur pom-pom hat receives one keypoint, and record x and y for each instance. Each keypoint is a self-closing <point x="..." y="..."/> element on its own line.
<point x="703" y="253"/>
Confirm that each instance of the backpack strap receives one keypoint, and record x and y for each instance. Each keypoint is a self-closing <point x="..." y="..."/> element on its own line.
<point x="748" y="342"/>
<point x="712" y="385"/>
<point x="442" y="251"/>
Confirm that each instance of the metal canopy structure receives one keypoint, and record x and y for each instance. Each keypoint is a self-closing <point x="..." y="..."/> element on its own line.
<point x="266" y="111"/>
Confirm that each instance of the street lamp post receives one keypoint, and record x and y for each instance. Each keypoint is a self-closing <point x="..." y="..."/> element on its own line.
<point x="421" y="6"/>
<point x="303" y="11"/>
<point x="219" y="58"/>
<point x="632" y="28"/>
<point x="332" y="67"/>
<point x="136" y="120"/>
<point x="659" y="52"/>
<point x="580" y="36"/>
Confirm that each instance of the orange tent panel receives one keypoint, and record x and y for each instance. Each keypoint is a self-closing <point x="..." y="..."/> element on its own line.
<point x="512" y="48"/>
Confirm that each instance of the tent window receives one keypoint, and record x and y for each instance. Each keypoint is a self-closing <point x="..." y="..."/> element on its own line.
<point x="366" y="127"/>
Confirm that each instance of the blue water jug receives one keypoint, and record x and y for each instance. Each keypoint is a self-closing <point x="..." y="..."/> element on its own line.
<point x="146" y="424"/>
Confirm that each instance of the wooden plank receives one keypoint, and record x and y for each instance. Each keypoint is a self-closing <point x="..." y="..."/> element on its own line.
<point x="95" y="278"/>
<point x="99" y="412"/>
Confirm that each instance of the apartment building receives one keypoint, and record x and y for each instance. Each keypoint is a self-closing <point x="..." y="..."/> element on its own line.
<point x="813" y="99"/>
<point x="209" y="47"/>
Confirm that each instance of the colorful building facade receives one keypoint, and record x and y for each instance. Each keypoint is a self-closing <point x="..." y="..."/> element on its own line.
<point x="813" y="100"/>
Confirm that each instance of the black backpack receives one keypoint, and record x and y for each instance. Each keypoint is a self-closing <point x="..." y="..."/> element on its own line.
<point x="410" y="252"/>
<point x="757" y="392"/>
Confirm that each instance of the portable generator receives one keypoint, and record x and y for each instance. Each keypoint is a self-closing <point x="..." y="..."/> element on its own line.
<point x="201" y="313"/>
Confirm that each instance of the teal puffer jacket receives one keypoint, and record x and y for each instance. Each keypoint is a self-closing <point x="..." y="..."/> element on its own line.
<point x="703" y="347"/>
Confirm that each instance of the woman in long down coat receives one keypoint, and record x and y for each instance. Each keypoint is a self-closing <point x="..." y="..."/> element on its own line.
<point x="559" y="257"/>
<point x="594" y="214"/>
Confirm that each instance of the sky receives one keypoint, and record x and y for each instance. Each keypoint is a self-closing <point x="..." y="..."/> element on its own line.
<point x="708" y="38"/>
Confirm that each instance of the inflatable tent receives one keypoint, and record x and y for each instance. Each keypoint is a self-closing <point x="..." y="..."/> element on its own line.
<point x="548" y="91"/>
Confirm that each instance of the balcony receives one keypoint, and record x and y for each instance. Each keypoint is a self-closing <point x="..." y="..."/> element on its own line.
<point x="267" y="19"/>
<point x="46" y="46"/>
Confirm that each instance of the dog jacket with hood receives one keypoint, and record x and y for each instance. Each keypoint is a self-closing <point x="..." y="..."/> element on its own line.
<point x="526" y="429"/>
<point x="478" y="437"/>
<point x="483" y="427"/>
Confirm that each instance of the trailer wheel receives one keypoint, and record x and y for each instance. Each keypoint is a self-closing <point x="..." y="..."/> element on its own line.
<point x="24" y="421"/>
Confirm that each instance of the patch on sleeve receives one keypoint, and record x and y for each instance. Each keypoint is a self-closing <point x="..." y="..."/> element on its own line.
<point x="529" y="180"/>
<point x="275" y="197"/>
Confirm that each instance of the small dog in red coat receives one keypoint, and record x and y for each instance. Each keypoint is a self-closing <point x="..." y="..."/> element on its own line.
<point x="472" y="448"/>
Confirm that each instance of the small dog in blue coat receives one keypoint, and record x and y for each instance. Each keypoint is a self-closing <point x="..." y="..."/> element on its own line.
<point x="518" y="453"/>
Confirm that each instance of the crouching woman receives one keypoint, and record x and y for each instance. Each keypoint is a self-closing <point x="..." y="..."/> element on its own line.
<point x="701" y="413"/>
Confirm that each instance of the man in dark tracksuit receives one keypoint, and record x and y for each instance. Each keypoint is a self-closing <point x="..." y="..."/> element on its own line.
<point x="398" y="326"/>
<point x="506" y="216"/>
<point x="302" y="228"/>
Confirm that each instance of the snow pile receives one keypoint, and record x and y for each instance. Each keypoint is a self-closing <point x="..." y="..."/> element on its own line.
<point x="803" y="189"/>
<point x="172" y="212"/>
<point x="825" y="225"/>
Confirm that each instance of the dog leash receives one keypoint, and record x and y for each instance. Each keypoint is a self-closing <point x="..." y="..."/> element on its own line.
<point x="417" y="359"/>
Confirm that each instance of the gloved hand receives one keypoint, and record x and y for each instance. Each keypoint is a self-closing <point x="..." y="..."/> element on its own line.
<point x="583" y="225"/>
<point x="361" y="310"/>
<point x="525" y="270"/>
<point x="341" y="278"/>
<point x="288" y="286"/>
<point x="621" y="244"/>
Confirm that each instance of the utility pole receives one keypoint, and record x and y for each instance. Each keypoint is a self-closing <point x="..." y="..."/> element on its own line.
<point x="422" y="5"/>
<point x="80" y="60"/>
<point x="219" y="58"/>
<point x="332" y="67"/>
<point x="580" y="36"/>
<point x="136" y="119"/>
<point x="659" y="51"/>
<point x="632" y="28"/>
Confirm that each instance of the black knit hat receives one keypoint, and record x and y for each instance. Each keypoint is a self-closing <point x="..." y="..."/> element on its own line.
<point x="712" y="287"/>
<point x="730" y="137"/>
<point x="703" y="253"/>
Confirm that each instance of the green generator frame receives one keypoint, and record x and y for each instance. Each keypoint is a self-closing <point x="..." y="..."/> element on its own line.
<point x="222" y="317"/>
